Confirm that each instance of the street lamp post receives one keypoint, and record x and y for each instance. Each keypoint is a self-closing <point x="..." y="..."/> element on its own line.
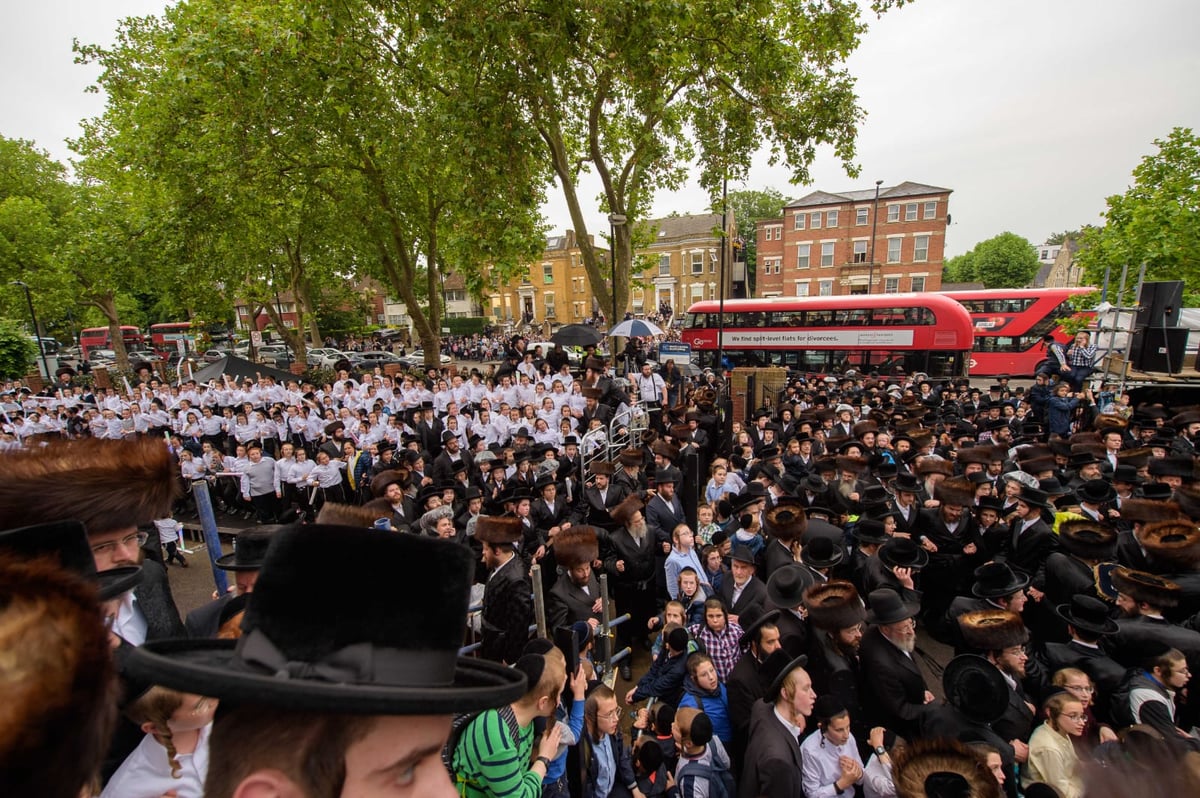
<point x="37" y="332"/>
<point x="874" y="225"/>
<point x="615" y="220"/>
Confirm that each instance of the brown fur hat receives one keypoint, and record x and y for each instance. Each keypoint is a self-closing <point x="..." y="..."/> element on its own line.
<point x="1033" y="452"/>
<point x="1106" y="421"/>
<point x="348" y="515"/>
<point x="575" y="546"/>
<point x="397" y="476"/>
<point x="856" y="464"/>
<point x="630" y="458"/>
<point x="956" y="490"/>
<point x="665" y="450"/>
<point x="1038" y="465"/>
<point x="602" y="467"/>
<point x="1087" y="539"/>
<point x="941" y="759"/>
<point x="60" y="685"/>
<point x="1141" y="586"/>
<point x="981" y="455"/>
<point x="106" y="484"/>
<point x="785" y="522"/>
<point x="863" y="427"/>
<point x="623" y="512"/>
<point x="834" y="605"/>
<point x="992" y="630"/>
<point x="1149" y="511"/>
<point x="1175" y="543"/>
<point x="592" y="393"/>
<point x="498" y="529"/>
<point x="934" y="465"/>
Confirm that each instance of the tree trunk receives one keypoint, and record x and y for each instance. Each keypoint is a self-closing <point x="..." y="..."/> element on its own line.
<point x="107" y="303"/>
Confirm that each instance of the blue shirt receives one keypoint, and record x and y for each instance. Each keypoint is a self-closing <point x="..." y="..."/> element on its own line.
<point x="606" y="772"/>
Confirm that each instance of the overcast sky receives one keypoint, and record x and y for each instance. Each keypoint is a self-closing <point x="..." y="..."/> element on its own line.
<point x="1032" y="111"/>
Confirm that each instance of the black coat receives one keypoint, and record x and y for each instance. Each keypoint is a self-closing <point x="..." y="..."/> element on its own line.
<point x="793" y="630"/>
<point x="205" y="621"/>
<point x="1028" y="548"/>
<point x="1067" y="576"/>
<point x="507" y="613"/>
<point x="894" y="689"/>
<point x="745" y="687"/>
<point x="773" y="761"/>
<point x="1105" y="672"/>
<point x="594" y="511"/>
<point x="157" y="605"/>
<point x="755" y="593"/>
<point x="662" y="518"/>
<point x="775" y="555"/>
<point x="568" y="603"/>
<point x="544" y="518"/>
<point x="638" y="558"/>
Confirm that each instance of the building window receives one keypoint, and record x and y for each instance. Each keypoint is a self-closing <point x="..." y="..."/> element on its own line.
<point x="802" y="252"/>
<point x="893" y="213"/>
<point x="918" y="284"/>
<point x="548" y="301"/>
<point x="802" y="288"/>
<point x="1045" y="254"/>
<point x="664" y="265"/>
<point x="814" y="221"/>
<point x="931" y="209"/>
<point x="910" y="212"/>
<point x="827" y="254"/>
<point x="860" y="216"/>
<point x="860" y="251"/>
<point x="697" y="263"/>
<point x="894" y="250"/>
<point x="825" y="288"/>
<point x="831" y="219"/>
<point x="697" y="290"/>
<point x="799" y="221"/>
<point x="547" y="272"/>
<point x="891" y="285"/>
<point x="920" y="249"/>
<point x="712" y="257"/>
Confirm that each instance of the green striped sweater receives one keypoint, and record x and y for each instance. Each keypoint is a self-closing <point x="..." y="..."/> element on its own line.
<point x="493" y="758"/>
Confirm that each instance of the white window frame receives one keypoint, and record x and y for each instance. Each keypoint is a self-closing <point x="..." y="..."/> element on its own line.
<point x="814" y="220"/>
<point x="899" y="242"/>
<point x="891" y="285"/>
<point x="862" y="216"/>
<point x="893" y="213"/>
<point x="910" y="212"/>
<point x="804" y="256"/>
<point x="920" y="248"/>
<point x="825" y="288"/>
<point x="831" y="218"/>
<point x="915" y="287"/>
<point x="799" y="220"/>
<point x="931" y="209"/>
<point x="827" y="250"/>
<point x="802" y="288"/>
<point x="664" y="265"/>
<point x="697" y="263"/>
<point x="855" y="247"/>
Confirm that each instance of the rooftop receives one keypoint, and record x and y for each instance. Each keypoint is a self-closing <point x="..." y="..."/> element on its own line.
<point x="905" y="189"/>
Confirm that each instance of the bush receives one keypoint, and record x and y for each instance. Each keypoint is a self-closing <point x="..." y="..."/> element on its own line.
<point x="466" y="325"/>
<point x="17" y="350"/>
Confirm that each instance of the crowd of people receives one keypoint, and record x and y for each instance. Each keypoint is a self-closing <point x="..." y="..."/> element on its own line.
<point x="777" y="568"/>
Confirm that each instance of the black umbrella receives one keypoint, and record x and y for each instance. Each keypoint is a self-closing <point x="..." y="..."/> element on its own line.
<point x="576" y="335"/>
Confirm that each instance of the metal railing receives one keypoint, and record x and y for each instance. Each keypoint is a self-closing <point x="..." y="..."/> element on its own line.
<point x="623" y="431"/>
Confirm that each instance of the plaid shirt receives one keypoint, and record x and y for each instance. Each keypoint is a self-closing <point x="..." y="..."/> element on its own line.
<point x="1081" y="355"/>
<point x="722" y="647"/>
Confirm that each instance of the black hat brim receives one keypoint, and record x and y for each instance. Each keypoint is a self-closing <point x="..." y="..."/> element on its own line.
<point x="910" y="609"/>
<point x="115" y="581"/>
<point x="1107" y="628"/>
<point x="984" y="706"/>
<point x="226" y="562"/>
<point x="921" y="561"/>
<point x="777" y="683"/>
<point x="209" y="667"/>
<point x="1019" y="583"/>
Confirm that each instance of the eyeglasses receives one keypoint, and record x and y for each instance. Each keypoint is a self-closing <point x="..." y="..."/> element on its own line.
<point x="1075" y="718"/>
<point x="108" y="548"/>
<point x="614" y="715"/>
<point x="1081" y="688"/>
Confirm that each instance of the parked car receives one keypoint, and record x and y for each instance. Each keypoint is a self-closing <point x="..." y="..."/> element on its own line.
<point x="144" y="354"/>
<point x="416" y="359"/>
<point x="332" y="356"/>
<point x="574" y="353"/>
<point x="213" y="355"/>
<point x="315" y="355"/>
<point x="378" y="357"/>
<point x="100" y="357"/>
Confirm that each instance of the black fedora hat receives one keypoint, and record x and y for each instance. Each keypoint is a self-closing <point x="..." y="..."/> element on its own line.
<point x="1087" y="614"/>
<point x="870" y="531"/>
<point x="382" y="638"/>
<point x="903" y="553"/>
<point x="741" y="553"/>
<point x="822" y="552"/>
<point x="886" y="606"/>
<point x="1034" y="497"/>
<point x="906" y="481"/>
<point x="975" y="687"/>
<point x="998" y="580"/>
<point x="1087" y="539"/>
<point x="787" y="584"/>
<point x="775" y="670"/>
<point x="250" y="548"/>
<point x="754" y="618"/>
<point x="1095" y="491"/>
<point x="67" y="542"/>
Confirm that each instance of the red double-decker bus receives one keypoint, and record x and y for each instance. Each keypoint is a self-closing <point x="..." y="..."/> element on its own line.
<point x="1009" y="324"/>
<point x="165" y="337"/>
<point x="884" y="333"/>
<point x="100" y="338"/>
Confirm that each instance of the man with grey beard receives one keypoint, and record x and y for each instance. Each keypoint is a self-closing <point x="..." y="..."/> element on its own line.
<point x="630" y="565"/>
<point x="895" y="693"/>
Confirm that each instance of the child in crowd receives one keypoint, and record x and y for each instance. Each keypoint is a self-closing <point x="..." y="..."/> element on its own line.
<point x="168" y="535"/>
<point x="683" y="555"/>
<point x="173" y="756"/>
<point x="653" y="778"/>
<point x="705" y="524"/>
<point x="703" y="761"/>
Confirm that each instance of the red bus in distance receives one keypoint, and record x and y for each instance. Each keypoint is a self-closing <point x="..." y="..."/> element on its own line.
<point x="1009" y="324"/>
<point x="883" y="333"/>
<point x="164" y="337"/>
<point x="99" y="338"/>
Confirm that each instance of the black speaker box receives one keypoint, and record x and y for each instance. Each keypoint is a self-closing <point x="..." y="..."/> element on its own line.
<point x="1159" y="349"/>
<point x="1159" y="304"/>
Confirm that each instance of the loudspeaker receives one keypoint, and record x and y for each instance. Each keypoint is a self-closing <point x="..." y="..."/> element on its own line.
<point x="1159" y="304"/>
<point x="1159" y="349"/>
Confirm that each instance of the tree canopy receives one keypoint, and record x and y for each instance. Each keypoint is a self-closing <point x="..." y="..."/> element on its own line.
<point x="750" y="207"/>
<point x="1156" y="222"/>
<point x="1004" y="261"/>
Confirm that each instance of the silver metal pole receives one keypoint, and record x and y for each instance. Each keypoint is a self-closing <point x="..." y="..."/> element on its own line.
<point x="1112" y="333"/>
<point x="539" y="600"/>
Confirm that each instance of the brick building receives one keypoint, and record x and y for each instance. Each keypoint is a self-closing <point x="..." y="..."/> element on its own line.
<point x="555" y="289"/>
<point x="821" y="244"/>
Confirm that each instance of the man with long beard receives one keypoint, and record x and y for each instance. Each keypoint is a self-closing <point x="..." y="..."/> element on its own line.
<point x="896" y="693"/>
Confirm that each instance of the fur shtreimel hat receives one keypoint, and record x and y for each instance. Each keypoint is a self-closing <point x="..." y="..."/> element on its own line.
<point x="1176" y="543"/>
<point x="1147" y="511"/>
<point x="834" y="605"/>
<point x="1087" y="539"/>
<point x="393" y="476"/>
<point x="498" y="529"/>
<point x="935" y="465"/>
<point x="59" y="680"/>
<point x="992" y="630"/>
<point x="623" y="512"/>
<point x="575" y="546"/>
<point x="104" y="484"/>
<point x="940" y="768"/>
<point x="1141" y="586"/>
<point x="785" y="522"/>
<point x="956" y="491"/>
<point x="383" y="639"/>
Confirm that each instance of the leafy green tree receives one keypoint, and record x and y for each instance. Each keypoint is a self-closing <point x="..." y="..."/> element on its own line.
<point x="1156" y="222"/>
<point x="959" y="269"/>
<point x="750" y="207"/>
<point x="639" y="92"/>
<point x="17" y="350"/>
<point x="1004" y="261"/>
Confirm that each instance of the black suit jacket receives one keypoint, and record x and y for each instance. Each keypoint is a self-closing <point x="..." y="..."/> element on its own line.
<point x="773" y="760"/>
<point x="568" y="603"/>
<point x="893" y="687"/>
<point x="443" y="466"/>
<point x="507" y="613"/>
<point x="1028" y="548"/>
<point x="755" y="593"/>
<point x="592" y="510"/>
<point x="157" y="605"/>
<point x="775" y="555"/>
<point x="205" y="621"/>
<point x="544" y="518"/>
<point x="639" y="559"/>
<point x="662" y="519"/>
<point x="1105" y="671"/>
